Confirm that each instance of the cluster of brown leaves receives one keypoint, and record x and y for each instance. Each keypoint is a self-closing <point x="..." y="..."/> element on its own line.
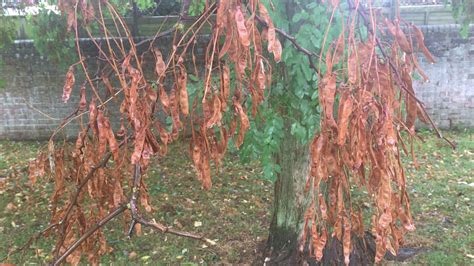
<point x="359" y="147"/>
<point x="237" y="27"/>
<point x="88" y="184"/>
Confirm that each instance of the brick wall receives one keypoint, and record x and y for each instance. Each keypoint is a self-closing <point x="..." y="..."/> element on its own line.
<point x="30" y="102"/>
<point x="449" y="96"/>
<point x="31" y="105"/>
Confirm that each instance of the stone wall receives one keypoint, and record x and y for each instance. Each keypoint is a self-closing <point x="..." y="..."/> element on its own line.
<point x="31" y="105"/>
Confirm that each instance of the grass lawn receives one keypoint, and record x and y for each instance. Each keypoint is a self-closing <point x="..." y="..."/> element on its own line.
<point x="236" y="212"/>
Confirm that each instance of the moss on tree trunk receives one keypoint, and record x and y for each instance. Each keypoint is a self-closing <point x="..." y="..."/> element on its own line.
<point x="289" y="200"/>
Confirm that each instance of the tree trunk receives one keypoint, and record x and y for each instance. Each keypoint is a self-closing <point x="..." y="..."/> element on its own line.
<point x="289" y="206"/>
<point x="289" y="203"/>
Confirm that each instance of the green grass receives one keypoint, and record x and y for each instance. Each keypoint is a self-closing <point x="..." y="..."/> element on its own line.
<point x="441" y="192"/>
<point x="236" y="212"/>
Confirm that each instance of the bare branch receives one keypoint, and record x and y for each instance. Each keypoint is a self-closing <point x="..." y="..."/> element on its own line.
<point x="92" y="230"/>
<point x="138" y="218"/>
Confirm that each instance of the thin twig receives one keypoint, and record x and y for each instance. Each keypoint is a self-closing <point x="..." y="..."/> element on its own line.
<point x="73" y="116"/>
<point x="39" y="111"/>
<point x="30" y="240"/>
<point x="92" y="230"/>
<point x="138" y="218"/>
<point x="74" y="198"/>
<point x="292" y="39"/>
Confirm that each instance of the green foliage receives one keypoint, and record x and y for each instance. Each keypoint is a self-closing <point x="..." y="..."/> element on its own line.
<point x="7" y="31"/>
<point x="50" y="37"/>
<point x="196" y="7"/>
<point x="291" y="106"/>
<point x="145" y="4"/>
<point x="463" y="11"/>
<point x="2" y="82"/>
<point x="7" y="36"/>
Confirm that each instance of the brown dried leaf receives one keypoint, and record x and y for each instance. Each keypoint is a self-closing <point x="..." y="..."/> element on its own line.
<point x="83" y="101"/>
<point x="206" y="173"/>
<point x="345" y="110"/>
<point x="225" y="86"/>
<point x="244" y="123"/>
<point x="352" y="68"/>
<point x="420" y="40"/>
<point x="323" y="207"/>
<point x="183" y="93"/>
<point x="160" y="66"/>
<point x="229" y="39"/>
<point x="216" y="112"/>
<point x="165" y="101"/>
<point x="274" y="45"/>
<point x="139" y="145"/>
<point x="277" y="50"/>
<point x="241" y="28"/>
<point x="411" y="104"/>
<point x="69" y="83"/>
<point x="326" y="96"/>
<point x="321" y="243"/>
<point x="114" y="147"/>
<point x="399" y="35"/>
<point x="102" y="133"/>
<point x="385" y="219"/>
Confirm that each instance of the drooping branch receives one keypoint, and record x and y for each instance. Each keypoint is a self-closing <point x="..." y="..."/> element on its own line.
<point x="136" y="218"/>
<point x="363" y="13"/>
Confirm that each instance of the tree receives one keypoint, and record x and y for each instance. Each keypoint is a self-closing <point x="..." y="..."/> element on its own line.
<point x="463" y="12"/>
<point x="296" y="212"/>
<point x="332" y="121"/>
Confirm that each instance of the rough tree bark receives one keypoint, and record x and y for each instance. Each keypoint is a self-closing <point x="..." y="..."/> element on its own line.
<point x="289" y="202"/>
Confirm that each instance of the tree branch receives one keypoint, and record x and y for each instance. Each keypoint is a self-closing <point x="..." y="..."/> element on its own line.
<point x="138" y="218"/>
<point x="74" y="198"/>
<point x="363" y="13"/>
<point x="292" y="39"/>
<point x="92" y="230"/>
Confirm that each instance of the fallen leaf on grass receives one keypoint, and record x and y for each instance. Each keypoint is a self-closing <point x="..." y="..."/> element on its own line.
<point x="132" y="255"/>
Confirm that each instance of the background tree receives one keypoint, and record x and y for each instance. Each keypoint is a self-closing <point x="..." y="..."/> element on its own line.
<point x="463" y="12"/>
<point x="327" y="42"/>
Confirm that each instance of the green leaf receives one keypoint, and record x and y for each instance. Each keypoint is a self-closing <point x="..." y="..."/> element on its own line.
<point x="308" y="73"/>
<point x="315" y="95"/>
<point x="193" y="78"/>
